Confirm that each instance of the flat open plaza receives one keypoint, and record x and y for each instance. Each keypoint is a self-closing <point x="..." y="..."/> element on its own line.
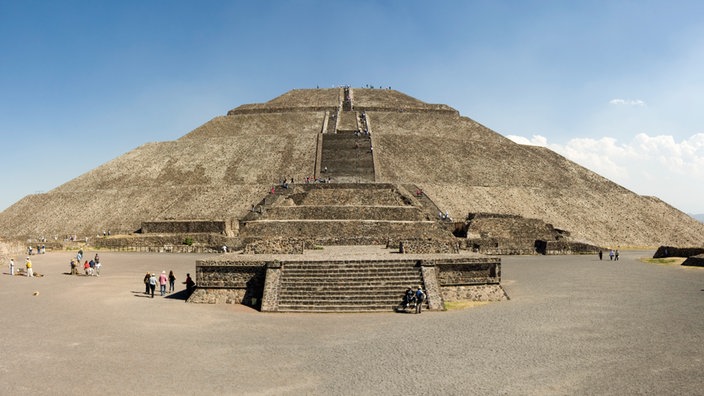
<point x="574" y="325"/>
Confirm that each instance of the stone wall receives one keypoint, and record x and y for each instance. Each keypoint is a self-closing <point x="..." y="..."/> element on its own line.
<point x="694" y="261"/>
<point x="450" y="274"/>
<point x="568" y="247"/>
<point x="425" y="246"/>
<point x="275" y="246"/>
<point x="188" y="227"/>
<point x="176" y="243"/>
<point x="11" y="249"/>
<point x="474" y="293"/>
<point x="229" y="282"/>
<point x="671" y="251"/>
<point x="378" y="229"/>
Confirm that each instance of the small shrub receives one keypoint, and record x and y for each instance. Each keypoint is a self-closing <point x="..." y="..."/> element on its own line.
<point x="188" y="241"/>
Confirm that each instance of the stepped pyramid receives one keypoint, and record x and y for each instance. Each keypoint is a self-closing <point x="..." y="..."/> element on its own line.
<point x="348" y="136"/>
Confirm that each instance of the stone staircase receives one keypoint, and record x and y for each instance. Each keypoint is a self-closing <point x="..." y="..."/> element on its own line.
<point x="345" y="287"/>
<point x="347" y="157"/>
<point x="340" y="214"/>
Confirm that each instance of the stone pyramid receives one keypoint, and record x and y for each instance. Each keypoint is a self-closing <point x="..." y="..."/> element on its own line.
<point x="220" y="169"/>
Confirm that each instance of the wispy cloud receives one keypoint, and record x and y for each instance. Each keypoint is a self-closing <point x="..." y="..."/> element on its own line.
<point x="628" y="102"/>
<point x="650" y="165"/>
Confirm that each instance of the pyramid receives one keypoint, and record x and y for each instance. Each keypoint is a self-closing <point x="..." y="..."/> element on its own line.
<point x="347" y="136"/>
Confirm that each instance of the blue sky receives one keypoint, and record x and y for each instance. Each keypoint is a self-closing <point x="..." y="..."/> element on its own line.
<point x="617" y="86"/>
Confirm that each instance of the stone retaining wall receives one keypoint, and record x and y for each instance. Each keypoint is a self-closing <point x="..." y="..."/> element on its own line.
<point x="188" y="227"/>
<point x="425" y="246"/>
<point x="229" y="282"/>
<point x="11" y="249"/>
<point x="694" y="261"/>
<point x="671" y="251"/>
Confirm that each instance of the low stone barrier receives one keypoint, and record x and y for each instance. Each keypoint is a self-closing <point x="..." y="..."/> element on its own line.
<point x="187" y="227"/>
<point x="671" y="251"/>
<point x="695" y="261"/>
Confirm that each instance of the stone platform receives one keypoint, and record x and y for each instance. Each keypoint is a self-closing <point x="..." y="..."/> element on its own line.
<point x="345" y="279"/>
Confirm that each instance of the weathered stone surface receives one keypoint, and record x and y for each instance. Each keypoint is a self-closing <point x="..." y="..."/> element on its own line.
<point x="672" y="251"/>
<point x="220" y="169"/>
<point x="694" y="261"/>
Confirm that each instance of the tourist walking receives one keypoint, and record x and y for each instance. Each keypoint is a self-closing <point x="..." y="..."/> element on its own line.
<point x="162" y="283"/>
<point x="616" y="255"/>
<point x="152" y="284"/>
<point x="30" y="271"/>
<point x="611" y="255"/>
<point x="12" y="267"/>
<point x="601" y="254"/>
<point x="172" y="281"/>
<point x="420" y="297"/>
<point x="146" y="283"/>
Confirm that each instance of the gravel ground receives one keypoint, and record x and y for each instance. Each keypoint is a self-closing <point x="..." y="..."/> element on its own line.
<point x="574" y="325"/>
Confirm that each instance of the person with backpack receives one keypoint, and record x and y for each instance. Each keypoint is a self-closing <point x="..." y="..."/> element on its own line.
<point x="420" y="297"/>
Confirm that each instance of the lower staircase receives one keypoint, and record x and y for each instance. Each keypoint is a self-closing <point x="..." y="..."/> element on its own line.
<point x="345" y="287"/>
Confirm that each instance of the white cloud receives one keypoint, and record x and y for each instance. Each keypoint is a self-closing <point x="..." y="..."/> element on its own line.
<point x="649" y="165"/>
<point x="628" y="102"/>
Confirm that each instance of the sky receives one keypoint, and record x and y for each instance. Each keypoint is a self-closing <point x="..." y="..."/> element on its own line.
<point x="616" y="86"/>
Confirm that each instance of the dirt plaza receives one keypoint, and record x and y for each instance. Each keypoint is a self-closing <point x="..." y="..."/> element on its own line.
<point x="574" y="325"/>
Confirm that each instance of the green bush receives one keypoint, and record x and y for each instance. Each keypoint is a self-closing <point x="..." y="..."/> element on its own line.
<point x="188" y="241"/>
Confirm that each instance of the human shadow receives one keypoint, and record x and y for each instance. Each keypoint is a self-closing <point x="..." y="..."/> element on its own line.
<point x="141" y="294"/>
<point x="179" y="295"/>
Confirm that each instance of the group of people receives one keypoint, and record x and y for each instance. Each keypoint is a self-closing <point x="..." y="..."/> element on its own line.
<point x="613" y="255"/>
<point x="90" y="268"/>
<point x="413" y="299"/>
<point x="41" y="249"/>
<point x="27" y="264"/>
<point x="151" y="280"/>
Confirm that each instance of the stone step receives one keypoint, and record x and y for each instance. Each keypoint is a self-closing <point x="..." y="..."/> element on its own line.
<point x="391" y="288"/>
<point x="352" y="270"/>
<point x="357" y="307"/>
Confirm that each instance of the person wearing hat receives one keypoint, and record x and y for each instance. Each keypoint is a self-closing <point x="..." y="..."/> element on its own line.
<point x="162" y="283"/>
<point x="420" y="297"/>
<point x="28" y="264"/>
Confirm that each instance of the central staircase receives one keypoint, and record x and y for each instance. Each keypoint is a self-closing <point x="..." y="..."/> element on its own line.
<point x="345" y="287"/>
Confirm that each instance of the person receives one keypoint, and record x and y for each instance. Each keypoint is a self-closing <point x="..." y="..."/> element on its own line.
<point x="152" y="284"/>
<point x="189" y="283"/>
<point x="97" y="268"/>
<point x="611" y="254"/>
<point x="162" y="283"/>
<point x="616" y="255"/>
<point x="600" y="254"/>
<point x="30" y="271"/>
<point x="172" y="280"/>
<point x="92" y="267"/>
<point x="12" y="267"/>
<point x="74" y="267"/>
<point x="86" y="268"/>
<point x="146" y="283"/>
<point x="420" y="297"/>
<point x="408" y="298"/>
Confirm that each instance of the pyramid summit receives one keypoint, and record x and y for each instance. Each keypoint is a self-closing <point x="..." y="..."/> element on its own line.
<point x="349" y="137"/>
